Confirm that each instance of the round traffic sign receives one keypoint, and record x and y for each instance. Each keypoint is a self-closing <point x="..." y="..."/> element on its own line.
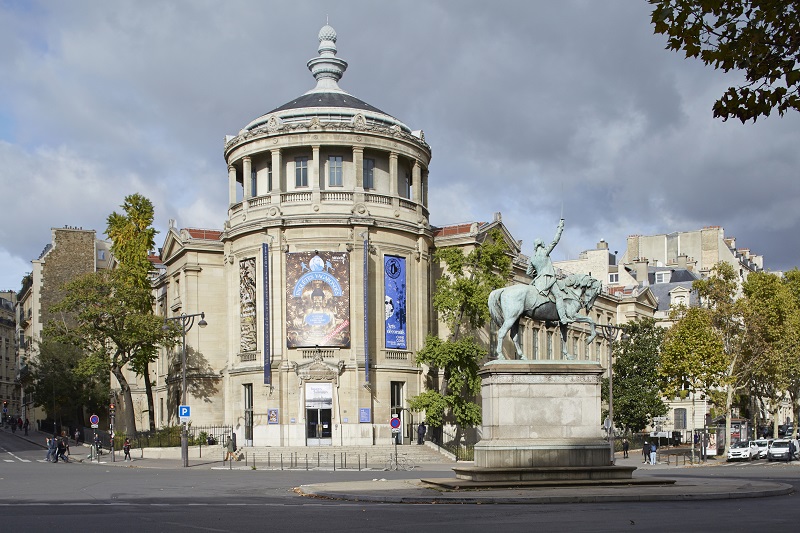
<point x="94" y="419"/>
<point x="395" y="423"/>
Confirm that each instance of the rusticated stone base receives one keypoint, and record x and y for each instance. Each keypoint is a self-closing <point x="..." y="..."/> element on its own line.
<point x="513" y="475"/>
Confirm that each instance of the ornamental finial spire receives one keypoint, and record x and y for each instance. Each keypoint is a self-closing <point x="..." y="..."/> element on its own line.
<point x="327" y="68"/>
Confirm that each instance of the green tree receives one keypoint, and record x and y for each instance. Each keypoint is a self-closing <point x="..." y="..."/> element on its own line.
<point x="460" y="301"/>
<point x="65" y="383"/>
<point x="133" y="237"/>
<point x="768" y="321"/>
<point x="692" y="357"/>
<point x="101" y="315"/>
<point x="637" y="395"/>
<point x="756" y="37"/>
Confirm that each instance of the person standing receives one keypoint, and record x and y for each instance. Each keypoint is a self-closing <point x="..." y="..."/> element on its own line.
<point x="25" y="426"/>
<point x="625" y="447"/>
<point x="421" y="429"/>
<point x="645" y="452"/>
<point x="653" y="452"/>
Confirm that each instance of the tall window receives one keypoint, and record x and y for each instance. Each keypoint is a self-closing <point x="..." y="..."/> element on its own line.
<point x="301" y="172"/>
<point x="369" y="174"/>
<point x="549" y="344"/>
<point x="254" y="182"/>
<point x="335" y="171"/>
<point x="248" y="411"/>
<point x="405" y="186"/>
<point x="680" y="418"/>
<point x="269" y="179"/>
<point x="536" y="343"/>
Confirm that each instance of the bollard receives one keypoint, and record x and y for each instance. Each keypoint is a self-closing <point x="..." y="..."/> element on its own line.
<point x="281" y="461"/>
<point x="306" y="462"/>
<point x="317" y="459"/>
<point x="359" y="462"/>
<point x="230" y="464"/>
<point x="269" y="462"/>
<point x="334" y="462"/>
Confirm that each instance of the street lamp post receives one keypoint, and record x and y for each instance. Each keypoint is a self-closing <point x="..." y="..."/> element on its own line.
<point x="610" y="332"/>
<point x="186" y="322"/>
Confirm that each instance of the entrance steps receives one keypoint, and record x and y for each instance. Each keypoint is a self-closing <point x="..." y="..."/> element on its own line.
<point x="344" y="457"/>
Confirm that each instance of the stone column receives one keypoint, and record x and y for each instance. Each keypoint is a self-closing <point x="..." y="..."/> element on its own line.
<point x="425" y="188"/>
<point x="358" y="164"/>
<point x="393" y="179"/>
<point x="247" y="168"/>
<point x="313" y="172"/>
<point x="277" y="170"/>
<point x="231" y="184"/>
<point x="416" y="182"/>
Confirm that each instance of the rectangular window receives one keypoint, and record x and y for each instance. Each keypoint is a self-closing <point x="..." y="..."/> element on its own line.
<point x="662" y="277"/>
<point x="613" y="278"/>
<point x="254" y="182"/>
<point x="269" y="179"/>
<point x="405" y="187"/>
<point x="549" y="344"/>
<point x="536" y="343"/>
<point x="301" y="172"/>
<point x="335" y="171"/>
<point x="369" y="174"/>
<point x="248" y="413"/>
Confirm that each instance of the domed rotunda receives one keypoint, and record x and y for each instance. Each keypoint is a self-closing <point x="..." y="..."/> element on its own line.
<point x="317" y="290"/>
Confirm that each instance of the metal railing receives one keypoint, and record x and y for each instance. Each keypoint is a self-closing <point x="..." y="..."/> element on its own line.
<point x="463" y="451"/>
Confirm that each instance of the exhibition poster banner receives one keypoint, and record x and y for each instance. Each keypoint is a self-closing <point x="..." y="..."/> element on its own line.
<point x="318" y="299"/>
<point x="394" y="300"/>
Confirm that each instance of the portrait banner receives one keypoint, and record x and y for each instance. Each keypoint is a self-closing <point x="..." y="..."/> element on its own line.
<point x="318" y="299"/>
<point x="394" y="300"/>
<point x="267" y="331"/>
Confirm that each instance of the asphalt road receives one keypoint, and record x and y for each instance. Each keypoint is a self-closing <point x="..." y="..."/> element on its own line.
<point x="146" y="496"/>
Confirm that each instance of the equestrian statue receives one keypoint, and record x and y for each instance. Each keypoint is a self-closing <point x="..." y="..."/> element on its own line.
<point x="547" y="299"/>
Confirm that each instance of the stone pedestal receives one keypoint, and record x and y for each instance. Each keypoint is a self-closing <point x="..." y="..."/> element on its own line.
<point x="541" y="421"/>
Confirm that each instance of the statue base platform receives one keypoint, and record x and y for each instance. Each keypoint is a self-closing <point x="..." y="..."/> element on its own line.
<point x="541" y="422"/>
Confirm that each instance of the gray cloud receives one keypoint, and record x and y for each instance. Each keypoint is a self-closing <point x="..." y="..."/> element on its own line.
<point x="561" y="103"/>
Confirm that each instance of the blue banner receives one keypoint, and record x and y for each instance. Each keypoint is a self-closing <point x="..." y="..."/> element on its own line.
<point x="394" y="301"/>
<point x="267" y="333"/>
<point x="366" y="311"/>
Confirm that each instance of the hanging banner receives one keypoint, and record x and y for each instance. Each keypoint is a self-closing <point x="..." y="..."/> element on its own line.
<point x="318" y="299"/>
<point x="394" y="300"/>
<point x="248" y="340"/>
<point x="366" y="311"/>
<point x="267" y="332"/>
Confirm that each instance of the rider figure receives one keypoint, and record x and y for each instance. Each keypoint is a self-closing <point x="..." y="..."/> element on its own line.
<point x="545" y="281"/>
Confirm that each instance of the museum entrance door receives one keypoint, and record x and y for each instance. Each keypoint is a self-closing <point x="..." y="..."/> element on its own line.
<point x="318" y="427"/>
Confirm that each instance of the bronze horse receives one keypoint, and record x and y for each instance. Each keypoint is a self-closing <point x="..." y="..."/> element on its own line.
<point x="508" y="304"/>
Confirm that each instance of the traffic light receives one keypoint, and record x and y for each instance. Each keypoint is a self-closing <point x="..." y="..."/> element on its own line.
<point x="111" y="410"/>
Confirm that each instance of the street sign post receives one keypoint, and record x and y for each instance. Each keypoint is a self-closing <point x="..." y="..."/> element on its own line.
<point x="184" y="413"/>
<point x="94" y="420"/>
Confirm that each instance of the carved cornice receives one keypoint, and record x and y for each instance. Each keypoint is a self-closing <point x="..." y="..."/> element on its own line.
<point x="318" y="370"/>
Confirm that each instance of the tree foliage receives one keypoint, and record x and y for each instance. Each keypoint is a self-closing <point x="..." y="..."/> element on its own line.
<point x="109" y="327"/>
<point x="132" y="238"/>
<point x="65" y="382"/>
<point x="460" y="300"/>
<point x="637" y="395"/>
<point x="757" y="37"/>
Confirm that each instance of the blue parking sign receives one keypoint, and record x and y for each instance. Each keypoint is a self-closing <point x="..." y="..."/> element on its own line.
<point x="184" y="411"/>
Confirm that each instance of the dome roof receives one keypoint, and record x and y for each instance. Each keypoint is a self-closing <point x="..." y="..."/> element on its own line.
<point x="327" y="98"/>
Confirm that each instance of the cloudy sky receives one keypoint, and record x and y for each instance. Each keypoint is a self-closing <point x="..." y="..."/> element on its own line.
<point x="530" y="107"/>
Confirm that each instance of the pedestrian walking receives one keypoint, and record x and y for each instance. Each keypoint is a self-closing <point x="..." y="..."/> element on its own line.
<point x="229" y="450"/>
<point x="62" y="448"/>
<point x="126" y="447"/>
<point x="25" y="426"/>
<point x="51" y="449"/>
<point x="421" y="429"/>
<point x="77" y="435"/>
<point x="625" y="447"/>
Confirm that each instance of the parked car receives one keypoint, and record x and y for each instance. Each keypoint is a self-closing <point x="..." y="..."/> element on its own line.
<point x="779" y="451"/>
<point x="745" y="450"/>
<point x="763" y="447"/>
